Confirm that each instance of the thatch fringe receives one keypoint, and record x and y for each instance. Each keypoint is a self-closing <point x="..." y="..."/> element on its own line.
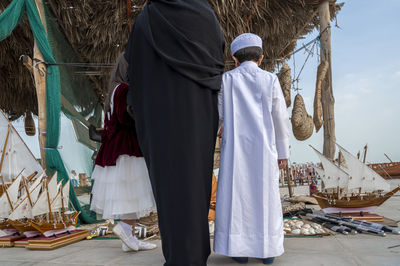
<point x="17" y="92"/>
<point x="98" y="31"/>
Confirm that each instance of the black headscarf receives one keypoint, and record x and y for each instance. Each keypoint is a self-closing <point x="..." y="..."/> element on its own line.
<point x="118" y="75"/>
<point x="183" y="45"/>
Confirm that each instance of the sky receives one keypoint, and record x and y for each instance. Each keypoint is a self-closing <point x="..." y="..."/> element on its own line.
<point x="366" y="83"/>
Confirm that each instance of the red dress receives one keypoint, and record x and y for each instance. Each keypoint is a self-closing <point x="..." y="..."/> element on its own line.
<point x="119" y="135"/>
<point x="122" y="188"/>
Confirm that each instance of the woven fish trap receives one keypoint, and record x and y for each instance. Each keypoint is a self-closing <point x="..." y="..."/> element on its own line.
<point x="302" y="123"/>
<point x="30" y="129"/>
<point x="321" y="75"/>
<point x="285" y="79"/>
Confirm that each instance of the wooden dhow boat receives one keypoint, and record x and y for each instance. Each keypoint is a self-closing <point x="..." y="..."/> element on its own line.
<point x="11" y="202"/>
<point x="8" y="200"/>
<point x="18" y="218"/>
<point x="387" y="170"/>
<point x="15" y="154"/>
<point x="50" y="214"/>
<point x="350" y="187"/>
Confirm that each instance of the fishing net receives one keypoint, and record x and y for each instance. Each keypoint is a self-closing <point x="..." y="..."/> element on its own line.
<point x="80" y="107"/>
<point x="321" y="74"/>
<point x="302" y="123"/>
<point x="71" y="104"/>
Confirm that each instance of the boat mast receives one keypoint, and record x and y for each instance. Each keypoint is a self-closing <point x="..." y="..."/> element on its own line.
<point x="4" y="149"/>
<point x="48" y="200"/>
<point x="1" y="168"/>
<point x="62" y="200"/>
<point x="27" y="192"/>
<point x="388" y="157"/>
<point x="365" y="152"/>
<point x="5" y="191"/>
<point x="30" y="177"/>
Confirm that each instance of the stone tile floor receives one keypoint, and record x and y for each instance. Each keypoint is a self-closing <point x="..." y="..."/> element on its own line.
<point x="332" y="250"/>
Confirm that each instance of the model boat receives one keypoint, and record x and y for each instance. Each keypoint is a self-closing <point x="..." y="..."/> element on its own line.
<point x="351" y="186"/>
<point x="50" y="214"/>
<point x="18" y="218"/>
<point x="15" y="154"/>
<point x="8" y="200"/>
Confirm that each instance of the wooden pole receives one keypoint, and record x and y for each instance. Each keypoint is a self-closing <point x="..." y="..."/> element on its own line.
<point x="4" y="149"/>
<point x="328" y="100"/>
<point x="39" y="74"/>
<point x="6" y="191"/>
<point x="289" y="180"/>
<point x="365" y="153"/>
<point x="27" y="192"/>
<point x="49" y="200"/>
<point x="388" y="157"/>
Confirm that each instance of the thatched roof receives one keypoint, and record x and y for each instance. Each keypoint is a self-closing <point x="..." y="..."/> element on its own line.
<point x="98" y="31"/>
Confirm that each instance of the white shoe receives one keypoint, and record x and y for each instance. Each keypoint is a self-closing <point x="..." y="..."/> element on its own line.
<point x="126" y="236"/>
<point x="211" y="227"/>
<point x="146" y="245"/>
<point x="142" y="246"/>
<point x="125" y="248"/>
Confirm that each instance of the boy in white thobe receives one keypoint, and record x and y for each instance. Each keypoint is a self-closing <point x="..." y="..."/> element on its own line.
<point x="255" y="144"/>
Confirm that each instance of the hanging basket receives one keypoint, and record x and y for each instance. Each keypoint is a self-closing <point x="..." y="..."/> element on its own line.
<point x="285" y="80"/>
<point x="30" y="129"/>
<point x="302" y="123"/>
<point x="321" y="74"/>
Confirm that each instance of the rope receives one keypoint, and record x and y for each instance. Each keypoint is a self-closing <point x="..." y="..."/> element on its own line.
<point x="229" y="62"/>
<point x="296" y="79"/>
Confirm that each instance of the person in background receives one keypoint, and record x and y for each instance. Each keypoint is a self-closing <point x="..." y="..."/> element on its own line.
<point x="122" y="188"/>
<point x="313" y="187"/>
<point x="74" y="178"/>
<point x="213" y="201"/>
<point x="255" y="145"/>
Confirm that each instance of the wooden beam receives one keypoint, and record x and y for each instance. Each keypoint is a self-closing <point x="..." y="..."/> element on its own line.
<point x="39" y="74"/>
<point x="71" y="109"/>
<point x="388" y="157"/>
<point x="328" y="101"/>
<point x="27" y="61"/>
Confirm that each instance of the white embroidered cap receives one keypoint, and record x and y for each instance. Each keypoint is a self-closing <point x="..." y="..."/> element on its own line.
<point x="245" y="40"/>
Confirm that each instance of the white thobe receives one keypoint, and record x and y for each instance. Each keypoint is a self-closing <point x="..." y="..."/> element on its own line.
<point x="256" y="134"/>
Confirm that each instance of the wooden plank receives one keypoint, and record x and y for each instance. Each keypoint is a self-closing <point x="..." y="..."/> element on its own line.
<point x="39" y="74"/>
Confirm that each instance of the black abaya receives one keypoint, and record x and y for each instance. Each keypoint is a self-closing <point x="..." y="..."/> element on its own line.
<point x="175" y="56"/>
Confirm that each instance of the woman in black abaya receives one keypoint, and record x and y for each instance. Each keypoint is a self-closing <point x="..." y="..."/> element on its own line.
<point x="176" y="58"/>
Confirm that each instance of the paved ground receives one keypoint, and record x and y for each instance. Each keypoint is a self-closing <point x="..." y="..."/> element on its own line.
<point x="332" y="250"/>
<point x="336" y="250"/>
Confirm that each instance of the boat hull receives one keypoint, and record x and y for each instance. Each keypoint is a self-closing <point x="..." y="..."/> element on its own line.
<point x="22" y="226"/>
<point x="5" y="225"/>
<point x="370" y="209"/>
<point x="368" y="203"/>
<point x="44" y="226"/>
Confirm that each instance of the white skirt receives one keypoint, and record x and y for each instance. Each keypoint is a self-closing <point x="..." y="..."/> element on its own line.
<point x="122" y="191"/>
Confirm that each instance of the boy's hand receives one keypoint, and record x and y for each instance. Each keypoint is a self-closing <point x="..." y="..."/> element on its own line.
<point x="220" y="131"/>
<point x="282" y="163"/>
